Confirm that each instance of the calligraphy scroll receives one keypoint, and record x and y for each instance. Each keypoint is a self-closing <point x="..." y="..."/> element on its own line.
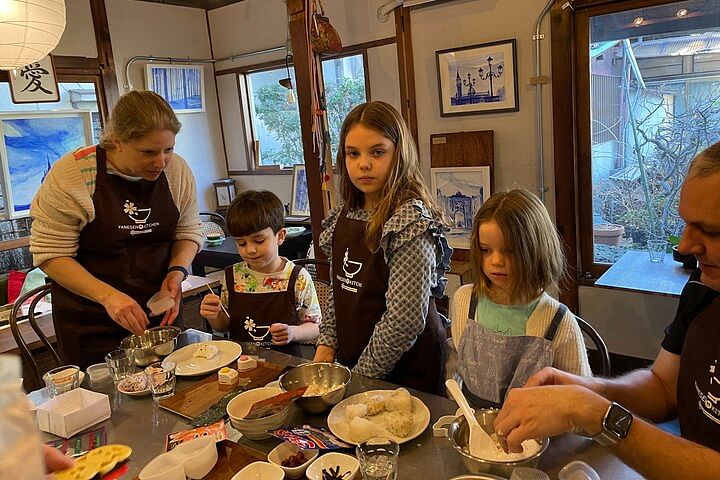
<point x="35" y="83"/>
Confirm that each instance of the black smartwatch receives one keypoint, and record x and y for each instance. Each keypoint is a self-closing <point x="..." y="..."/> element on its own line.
<point x="615" y="425"/>
<point x="179" y="268"/>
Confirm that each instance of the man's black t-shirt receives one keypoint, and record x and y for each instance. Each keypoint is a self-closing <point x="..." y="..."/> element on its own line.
<point x="694" y="298"/>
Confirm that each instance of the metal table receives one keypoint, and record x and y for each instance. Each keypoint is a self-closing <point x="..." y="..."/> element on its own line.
<point x="140" y="423"/>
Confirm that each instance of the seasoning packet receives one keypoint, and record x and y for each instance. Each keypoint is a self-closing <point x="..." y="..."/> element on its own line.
<point x="274" y="404"/>
<point x="80" y="444"/>
<point x="216" y="429"/>
<point x="308" y="436"/>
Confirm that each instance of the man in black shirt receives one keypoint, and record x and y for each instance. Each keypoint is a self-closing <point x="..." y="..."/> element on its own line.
<point x="683" y="382"/>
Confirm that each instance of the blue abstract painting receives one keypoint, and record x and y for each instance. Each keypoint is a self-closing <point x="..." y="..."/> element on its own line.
<point x="32" y="145"/>
<point x="181" y="86"/>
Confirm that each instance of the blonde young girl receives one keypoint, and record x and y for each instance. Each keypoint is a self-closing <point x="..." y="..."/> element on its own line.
<point x="506" y="327"/>
<point x="388" y="257"/>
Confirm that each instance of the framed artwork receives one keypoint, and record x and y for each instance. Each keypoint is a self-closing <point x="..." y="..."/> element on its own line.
<point x="183" y="86"/>
<point x="35" y="83"/>
<point x="299" y="203"/>
<point x="30" y="143"/>
<point x="478" y="79"/>
<point x="460" y="191"/>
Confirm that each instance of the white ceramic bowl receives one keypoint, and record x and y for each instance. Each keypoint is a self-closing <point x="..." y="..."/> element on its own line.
<point x="256" y="470"/>
<point x="163" y="467"/>
<point x="255" y="429"/>
<point x="199" y="456"/>
<point x="332" y="460"/>
<point x="286" y="449"/>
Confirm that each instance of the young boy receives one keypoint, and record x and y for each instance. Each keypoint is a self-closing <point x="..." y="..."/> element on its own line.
<point x="271" y="301"/>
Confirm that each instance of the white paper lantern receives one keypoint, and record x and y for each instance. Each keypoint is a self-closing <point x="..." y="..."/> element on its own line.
<point x="29" y="30"/>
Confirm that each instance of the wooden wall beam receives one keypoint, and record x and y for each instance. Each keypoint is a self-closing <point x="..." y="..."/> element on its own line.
<point x="301" y="63"/>
<point x="105" y="53"/>
<point x="408" y="106"/>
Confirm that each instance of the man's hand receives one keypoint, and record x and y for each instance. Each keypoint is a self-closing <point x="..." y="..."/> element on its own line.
<point x="324" y="353"/>
<point x="125" y="312"/>
<point x="537" y="412"/>
<point x="282" y="334"/>
<point x="553" y="376"/>
<point x="173" y="286"/>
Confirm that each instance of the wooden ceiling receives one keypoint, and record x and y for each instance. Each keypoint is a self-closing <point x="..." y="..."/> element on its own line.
<point x="204" y="4"/>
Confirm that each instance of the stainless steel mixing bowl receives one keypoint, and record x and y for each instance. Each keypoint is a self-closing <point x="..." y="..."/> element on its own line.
<point x="324" y="375"/>
<point x="153" y="345"/>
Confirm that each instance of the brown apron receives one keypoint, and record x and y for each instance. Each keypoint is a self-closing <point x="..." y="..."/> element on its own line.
<point x="698" y="388"/>
<point x="251" y="314"/>
<point x="360" y="282"/>
<point x="128" y="246"/>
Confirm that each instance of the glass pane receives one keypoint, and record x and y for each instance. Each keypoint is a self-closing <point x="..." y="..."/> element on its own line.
<point x="33" y="143"/>
<point x="655" y="103"/>
<point x="344" y="89"/>
<point x="276" y="118"/>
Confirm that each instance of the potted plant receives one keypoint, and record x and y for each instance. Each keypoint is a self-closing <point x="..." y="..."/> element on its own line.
<point x="688" y="260"/>
<point x="608" y="233"/>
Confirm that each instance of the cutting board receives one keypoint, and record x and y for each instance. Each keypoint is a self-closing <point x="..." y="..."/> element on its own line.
<point x="232" y="457"/>
<point x="202" y="395"/>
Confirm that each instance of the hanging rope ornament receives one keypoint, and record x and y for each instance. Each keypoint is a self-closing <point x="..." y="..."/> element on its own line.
<point x="29" y="30"/>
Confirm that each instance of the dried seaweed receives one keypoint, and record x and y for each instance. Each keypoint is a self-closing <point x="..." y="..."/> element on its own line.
<point x="219" y="410"/>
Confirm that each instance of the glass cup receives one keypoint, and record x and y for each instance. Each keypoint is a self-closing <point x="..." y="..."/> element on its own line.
<point x="121" y="363"/>
<point x="378" y="457"/>
<point x="62" y="379"/>
<point x="656" y="249"/>
<point x="161" y="379"/>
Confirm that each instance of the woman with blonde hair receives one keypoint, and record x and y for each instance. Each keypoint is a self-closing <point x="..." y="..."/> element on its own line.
<point x="113" y="224"/>
<point x="388" y="257"/>
<point x="505" y="326"/>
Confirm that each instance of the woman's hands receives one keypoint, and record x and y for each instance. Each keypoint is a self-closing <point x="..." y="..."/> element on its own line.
<point x="173" y="286"/>
<point x="125" y="311"/>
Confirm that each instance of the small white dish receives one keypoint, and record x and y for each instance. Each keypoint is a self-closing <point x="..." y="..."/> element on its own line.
<point x="139" y="376"/>
<point x="285" y="450"/>
<point x="256" y="470"/>
<point x="163" y="467"/>
<point x="199" y="456"/>
<point x="159" y="303"/>
<point x="332" y="460"/>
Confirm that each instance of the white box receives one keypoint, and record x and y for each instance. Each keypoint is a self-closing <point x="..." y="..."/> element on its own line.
<point x="72" y="412"/>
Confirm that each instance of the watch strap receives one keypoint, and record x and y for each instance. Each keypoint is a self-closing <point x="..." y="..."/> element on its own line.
<point x="179" y="268"/>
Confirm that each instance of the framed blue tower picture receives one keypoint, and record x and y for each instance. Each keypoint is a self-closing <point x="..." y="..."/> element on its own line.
<point x="478" y="79"/>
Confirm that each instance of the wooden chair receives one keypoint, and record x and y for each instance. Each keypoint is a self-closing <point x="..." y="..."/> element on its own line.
<point x="213" y="223"/>
<point x="602" y="350"/>
<point x="36" y="294"/>
<point x="322" y="288"/>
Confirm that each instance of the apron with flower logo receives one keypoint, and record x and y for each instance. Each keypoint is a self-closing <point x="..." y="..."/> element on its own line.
<point x="251" y="314"/>
<point x="359" y="282"/>
<point x="128" y="246"/>
<point x="490" y="364"/>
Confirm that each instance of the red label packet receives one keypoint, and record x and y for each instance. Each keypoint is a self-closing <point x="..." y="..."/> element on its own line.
<point x="310" y="437"/>
<point x="269" y="406"/>
<point x="80" y="444"/>
<point x="176" y="438"/>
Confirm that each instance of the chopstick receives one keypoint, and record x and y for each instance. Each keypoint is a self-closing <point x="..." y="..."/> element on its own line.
<point x="221" y="304"/>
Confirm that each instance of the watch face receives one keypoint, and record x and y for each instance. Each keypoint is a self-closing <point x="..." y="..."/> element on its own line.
<point x="618" y="421"/>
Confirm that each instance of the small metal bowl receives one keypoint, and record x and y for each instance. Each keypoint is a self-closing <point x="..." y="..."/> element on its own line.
<point x="323" y="375"/>
<point x="457" y="434"/>
<point x="153" y="345"/>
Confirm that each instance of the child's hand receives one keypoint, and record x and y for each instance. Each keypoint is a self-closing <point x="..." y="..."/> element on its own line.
<point x="282" y="334"/>
<point x="210" y="307"/>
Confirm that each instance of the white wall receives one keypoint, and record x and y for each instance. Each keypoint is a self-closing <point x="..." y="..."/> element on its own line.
<point x="78" y="39"/>
<point x="254" y="25"/>
<point x="143" y="28"/>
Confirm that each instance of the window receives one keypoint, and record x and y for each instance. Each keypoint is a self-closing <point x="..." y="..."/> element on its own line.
<point x="33" y="136"/>
<point x="653" y="82"/>
<point x="274" y="110"/>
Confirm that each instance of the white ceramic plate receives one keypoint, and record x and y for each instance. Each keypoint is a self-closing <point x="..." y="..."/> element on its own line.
<point x="190" y="366"/>
<point x="340" y="427"/>
<point x="134" y="393"/>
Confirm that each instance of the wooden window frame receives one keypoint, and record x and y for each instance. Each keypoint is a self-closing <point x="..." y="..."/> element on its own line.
<point x="572" y="132"/>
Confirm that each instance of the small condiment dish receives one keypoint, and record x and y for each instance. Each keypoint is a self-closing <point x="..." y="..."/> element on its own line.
<point x="287" y="449"/>
<point x="98" y="372"/>
<point x="333" y="460"/>
<point x="163" y="467"/>
<point x="264" y="470"/>
<point x="199" y="456"/>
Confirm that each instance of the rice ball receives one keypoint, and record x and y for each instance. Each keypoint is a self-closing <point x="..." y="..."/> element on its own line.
<point x="399" y="401"/>
<point x="375" y="404"/>
<point x="357" y="410"/>
<point x="399" y="423"/>
<point x="362" y="429"/>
